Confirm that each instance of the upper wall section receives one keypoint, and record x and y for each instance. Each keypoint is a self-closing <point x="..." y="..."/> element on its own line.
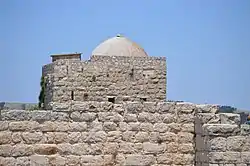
<point x="106" y="78"/>
<point x="73" y="56"/>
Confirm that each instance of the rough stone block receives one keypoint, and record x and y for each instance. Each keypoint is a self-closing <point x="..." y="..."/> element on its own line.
<point x="168" y="118"/>
<point x="245" y="129"/>
<point x="186" y="148"/>
<point x="18" y="115"/>
<point x="245" y="156"/>
<point x="161" y="127"/>
<point x="139" y="160"/>
<point x="32" y="138"/>
<point x="72" y="160"/>
<point x="23" y="126"/>
<point x="46" y="149"/>
<point x="184" y="137"/>
<point x="114" y="136"/>
<point x="217" y="144"/>
<point x="22" y="150"/>
<point x="56" y="160"/>
<point x="221" y="129"/>
<point x="4" y="125"/>
<point x="127" y="148"/>
<point x="209" y="118"/>
<point x="148" y="127"/>
<point x="6" y="150"/>
<point x="99" y="136"/>
<point x="40" y="116"/>
<point x="77" y="126"/>
<point x="165" y="158"/>
<point x="60" y="116"/>
<point x="39" y="160"/>
<point x="5" y="137"/>
<point x="91" y="159"/>
<point x="141" y="137"/>
<point x="149" y="117"/>
<point x="110" y="117"/>
<point x="109" y="126"/>
<point x="153" y="148"/>
<point x="229" y="118"/>
<point x="236" y="143"/>
<point x="225" y="157"/>
<point x="83" y="117"/>
<point x="130" y="118"/>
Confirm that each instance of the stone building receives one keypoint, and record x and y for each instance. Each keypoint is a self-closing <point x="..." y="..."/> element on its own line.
<point x="111" y="111"/>
<point x="118" y="70"/>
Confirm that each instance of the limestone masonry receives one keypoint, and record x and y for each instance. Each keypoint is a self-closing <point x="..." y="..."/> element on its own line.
<point x="112" y="111"/>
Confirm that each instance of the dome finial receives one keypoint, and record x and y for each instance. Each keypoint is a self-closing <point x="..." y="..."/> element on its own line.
<point x="118" y="35"/>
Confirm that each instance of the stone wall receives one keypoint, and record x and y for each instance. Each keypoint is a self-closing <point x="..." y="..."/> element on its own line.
<point x="104" y="77"/>
<point x="126" y="134"/>
<point x="222" y="140"/>
<point x="100" y="133"/>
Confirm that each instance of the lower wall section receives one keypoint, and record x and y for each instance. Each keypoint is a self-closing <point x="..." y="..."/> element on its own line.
<point x="106" y="134"/>
<point x="128" y="134"/>
<point x="221" y="141"/>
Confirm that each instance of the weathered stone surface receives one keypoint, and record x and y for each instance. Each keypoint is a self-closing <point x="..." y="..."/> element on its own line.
<point x="40" y="116"/>
<point x="23" y="126"/>
<point x="221" y="129"/>
<point x="124" y="134"/>
<point x="5" y="137"/>
<point x="225" y="157"/>
<point x="229" y="118"/>
<point x="153" y="148"/>
<point x="17" y="115"/>
<point x="39" y="160"/>
<point x="4" y="125"/>
<point x="139" y="160"/>
<point x="236" y="143"/>
<point x="218" y="144"/>
<point x="32" y="138"/>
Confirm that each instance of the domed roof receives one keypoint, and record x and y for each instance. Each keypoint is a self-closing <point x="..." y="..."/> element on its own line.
<point x="119" y="46"/>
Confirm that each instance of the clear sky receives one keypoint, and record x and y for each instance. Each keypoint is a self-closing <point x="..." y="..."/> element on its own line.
<point x="206" y="42"/>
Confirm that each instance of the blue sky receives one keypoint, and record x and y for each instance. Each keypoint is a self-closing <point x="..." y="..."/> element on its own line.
<point x="206" y="42"/>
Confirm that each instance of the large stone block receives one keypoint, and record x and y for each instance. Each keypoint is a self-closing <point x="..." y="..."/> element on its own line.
<point x="225" y="157"/>
<point x="229" y="118"/>
<point x="236" y="143"/>
<point x="153" y="148"/>
<point x="221" y="129"/>
<point x="5" y="137"/>
<point x="32" y="138"/>
<point x="18" y="115"/>
<point x="139" y="160"/>
<point x="217" y="144"/>
<point x="23" y="126"/>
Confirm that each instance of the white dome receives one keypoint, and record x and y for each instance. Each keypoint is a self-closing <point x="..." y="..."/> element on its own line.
<point x="119" y="46"/>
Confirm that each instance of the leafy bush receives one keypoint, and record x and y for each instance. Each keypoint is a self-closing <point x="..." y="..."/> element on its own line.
<point x="42" y="93"/>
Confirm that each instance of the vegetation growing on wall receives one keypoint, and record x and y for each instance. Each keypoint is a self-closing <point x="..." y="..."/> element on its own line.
<point x="42" y="93"/>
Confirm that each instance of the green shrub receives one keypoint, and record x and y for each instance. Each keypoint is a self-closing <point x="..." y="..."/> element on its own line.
<point x="42" y="93"/>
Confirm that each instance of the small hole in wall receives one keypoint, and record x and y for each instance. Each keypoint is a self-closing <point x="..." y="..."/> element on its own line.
<point x="85" y="96"/>
<point x="72" y="95"/>
<point x="159" y="141"/>
<point x="108" y="75"/>
<point x="94" y="78"/>
<point x="132" y="73"/>
<point x="111" y="99"/>
<point x="143" y="99"/>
